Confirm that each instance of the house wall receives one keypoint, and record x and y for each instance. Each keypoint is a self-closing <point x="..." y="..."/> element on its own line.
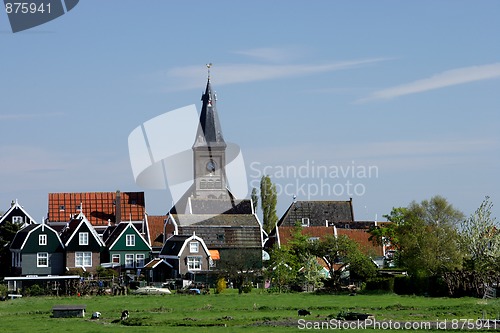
<point x="131" y="251"/>
<point x="29" y="264"/>
<point x="96" y="261"/>
<point x="183" y="267"/>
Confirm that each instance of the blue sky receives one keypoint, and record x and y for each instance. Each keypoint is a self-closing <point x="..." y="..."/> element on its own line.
<point x="408" y="89"/>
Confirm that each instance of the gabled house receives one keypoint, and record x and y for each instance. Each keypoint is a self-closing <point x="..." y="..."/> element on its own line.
<point x="14" y="219"/>
<point x="37" y="249"/>
<point x="186" y="254"/>
<point x="157" y="271"/>
<point x="319" y="215"/>
<point x="17" y="215"/>
<point x="127" y="247"/>
<point x="82" y="243"/>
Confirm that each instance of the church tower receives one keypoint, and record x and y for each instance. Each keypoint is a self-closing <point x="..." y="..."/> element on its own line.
<point x="209" y="151"/>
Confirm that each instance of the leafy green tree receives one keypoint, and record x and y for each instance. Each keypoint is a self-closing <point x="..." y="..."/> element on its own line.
<point x="345" y="251"/>
<point x="480" y="239"/>
<point x="425" y="236"/>
<point x="268" y="201"/>
<point x="255" y="199"/>
<point x="282" y="269"/>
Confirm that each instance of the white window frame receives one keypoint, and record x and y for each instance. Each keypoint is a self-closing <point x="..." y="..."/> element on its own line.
<point x="140" y="260"/>
<point x="40" y="257"/>
<point x="42" y="239"/>
<point x="194" y="247"/>
<point x="83" y="259"/>
<point x="129" y="260"/>
<point x="194" y="263"/>
<point x="83" y="238"/>
<point x="305" y="222"/>
<point x="130" y="240"/>
<point x="17" y="219"/>
<point x="113" y="257"/>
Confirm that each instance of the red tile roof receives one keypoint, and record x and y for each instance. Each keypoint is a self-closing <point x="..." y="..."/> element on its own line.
<point x="98" y="207"/>
<point x="360" y="236"/>
<point x="156" y="223"/>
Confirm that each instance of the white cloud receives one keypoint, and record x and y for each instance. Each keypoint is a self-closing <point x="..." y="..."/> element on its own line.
<point x="437" y="81"/>
<point x="189" y="77"/>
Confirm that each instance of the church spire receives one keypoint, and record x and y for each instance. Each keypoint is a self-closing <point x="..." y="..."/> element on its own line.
<point x="209" y="132"/>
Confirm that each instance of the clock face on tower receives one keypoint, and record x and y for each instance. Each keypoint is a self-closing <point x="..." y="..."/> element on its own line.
<point x="211" y="166"/>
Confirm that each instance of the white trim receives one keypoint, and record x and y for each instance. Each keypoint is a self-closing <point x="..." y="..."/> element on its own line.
<point x="83" y="259"/>
<point x="125" y="260"/>
<point x="32" y="230"/>
<point x="130" y="224"/>
<point x="91" y="229"/>
<point x="83" y="238"/>
<point x="17" y="205"/>
<point x="191" y="238"/>
<point x="38" y="258"/>
<point x="42" y="239"/>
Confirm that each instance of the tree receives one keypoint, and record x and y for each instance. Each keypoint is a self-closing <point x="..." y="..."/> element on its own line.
<point x="425" y="236"/>
<point x="255" y="199"/>
<point x="7" y="232"/>
<point x="480" y="239"/>
<point x="268" y="201"/>
<point x="282" y="267"/>
<point x="345" y="251"/>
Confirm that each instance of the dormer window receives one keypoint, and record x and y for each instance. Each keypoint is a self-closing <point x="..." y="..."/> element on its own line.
<point x="83" y="238"/>
<point x="305" y="222"/>
<point x="194" y="247"/>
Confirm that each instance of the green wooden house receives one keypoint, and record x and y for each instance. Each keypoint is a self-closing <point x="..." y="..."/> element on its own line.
<point x="37" y="249"/>
<point x="128" y="247"/>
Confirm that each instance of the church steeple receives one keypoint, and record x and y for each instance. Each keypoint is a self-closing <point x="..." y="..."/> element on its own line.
<point x="209" y="150"/>
<point x="209" y="132"/>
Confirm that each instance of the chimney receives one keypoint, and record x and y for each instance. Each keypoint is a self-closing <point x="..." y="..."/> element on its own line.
<point x="118" y="207"/>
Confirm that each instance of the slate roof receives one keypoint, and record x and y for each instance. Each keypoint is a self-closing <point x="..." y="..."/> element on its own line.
<point x="173" y="245"/>
<point x="99" y="207"/>
<point x="214" y="206"/>
<point x="21" y="236"/>
<point x="209" y="132"/>
<point x="319" y="213"/>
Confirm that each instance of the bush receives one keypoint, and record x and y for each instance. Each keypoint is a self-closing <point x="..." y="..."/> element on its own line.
<point x="35" y="290"/>
<point x="220" y="286"/>
<point x="3" y="290"/>
<point x="247" y="287"/>
<point x="383" y="284"/>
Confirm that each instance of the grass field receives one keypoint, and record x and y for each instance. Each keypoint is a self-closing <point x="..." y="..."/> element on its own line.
<point x="230" y="312"/>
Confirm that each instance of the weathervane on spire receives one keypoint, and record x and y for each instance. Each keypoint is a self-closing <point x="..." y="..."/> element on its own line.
<point x="208" y="68"/>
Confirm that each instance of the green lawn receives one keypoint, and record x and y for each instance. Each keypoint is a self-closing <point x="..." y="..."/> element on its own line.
<point x="230" y="312"/>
